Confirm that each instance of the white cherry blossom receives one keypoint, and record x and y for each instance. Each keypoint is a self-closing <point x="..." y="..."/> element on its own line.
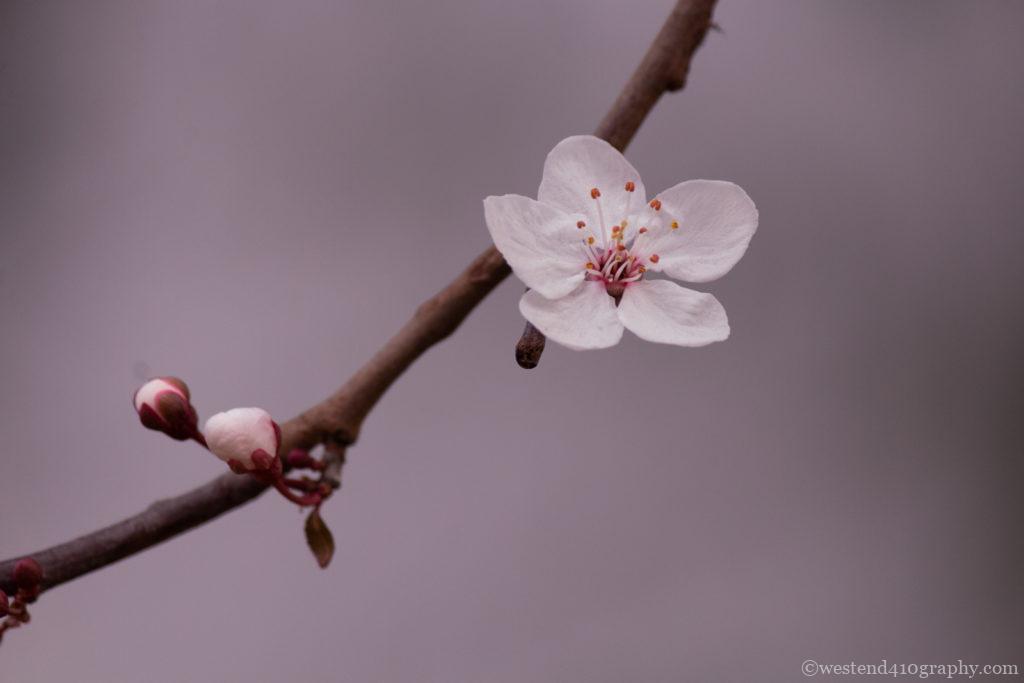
<point x="586" y="248"/>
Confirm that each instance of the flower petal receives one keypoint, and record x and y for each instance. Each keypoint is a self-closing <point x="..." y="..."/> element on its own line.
<point x="147" y="394"/>
<point x="662" y="311"/>
<point x="716" y="220"/>
<point x="581" y="163"/>
<point x="540" y="243"/>
<point x="238" y="433"/>
<point x="585" y="319"/>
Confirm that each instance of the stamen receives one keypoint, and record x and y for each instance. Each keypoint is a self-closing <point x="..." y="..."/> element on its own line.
<point x="656" y="204"/>
<point x="675" y="225"/>
<point x="581" y="224"/>
<point x="607" y="270"/>
<point x="590" y="240"/>
<point x="595" y="194"/>
<point x="629" y="201"/>
<point x="590" y="265"/>
<point x="639" y="240"/>
<point x="654" y="258"/>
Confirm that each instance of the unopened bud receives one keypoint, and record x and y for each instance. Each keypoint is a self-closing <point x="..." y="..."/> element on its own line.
<point x="163" y="405"/>
<point x="28" y="574"/>
<point x="300" y="459"/>
<point x="240" y="432"/>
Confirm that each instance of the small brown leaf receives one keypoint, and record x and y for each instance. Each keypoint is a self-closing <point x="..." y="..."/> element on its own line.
<point x="319" y="538"/>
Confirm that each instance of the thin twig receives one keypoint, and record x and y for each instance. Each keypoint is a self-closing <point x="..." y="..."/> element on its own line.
<point x="336" y="422"/>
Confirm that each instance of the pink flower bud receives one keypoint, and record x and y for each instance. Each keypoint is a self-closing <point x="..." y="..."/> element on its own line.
<point x="163" y="404"/>
<point x="239" y="433"/>
<point x="299" y="459"/>
<point x="28" y="574"/>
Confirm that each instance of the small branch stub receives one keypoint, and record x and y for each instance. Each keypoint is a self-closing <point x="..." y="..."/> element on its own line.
<point x="530" y="347"/>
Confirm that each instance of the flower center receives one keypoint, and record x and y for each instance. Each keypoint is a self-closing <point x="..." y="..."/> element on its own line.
<point x="613" y="258"/>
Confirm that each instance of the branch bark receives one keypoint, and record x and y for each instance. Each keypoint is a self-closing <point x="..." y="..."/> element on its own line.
<point x="338" y="420"/>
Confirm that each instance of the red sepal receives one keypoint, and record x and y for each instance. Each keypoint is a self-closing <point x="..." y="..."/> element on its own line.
<point x="237" y="467"/>
<point x="150" y="419"/>
<point x="265" y="461"/>
<point x="299" y="459"/>
<point x="180" y="417"/>
<point x="277" y="437"/>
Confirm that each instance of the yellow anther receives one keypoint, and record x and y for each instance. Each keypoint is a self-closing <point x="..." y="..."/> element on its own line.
<point x="590" y="240"/>
<point x="675" y="225"/>
<point x="591" y="266"/>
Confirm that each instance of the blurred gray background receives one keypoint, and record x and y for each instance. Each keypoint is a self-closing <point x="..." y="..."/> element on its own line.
<point x="254" y="195"/>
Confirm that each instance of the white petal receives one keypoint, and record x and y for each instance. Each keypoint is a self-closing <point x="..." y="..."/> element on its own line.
<point x="585" y="319"/>
<point x="716" y="221"/>
<point x="662" y="311"/>
<point x="540" y="243"/>
<point x="239" y="432"/>
<point x="581" y="163"/>
<point x="147" y="393"/>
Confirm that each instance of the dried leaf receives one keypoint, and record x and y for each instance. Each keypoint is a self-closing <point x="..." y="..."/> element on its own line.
<point x="319" y="538"/>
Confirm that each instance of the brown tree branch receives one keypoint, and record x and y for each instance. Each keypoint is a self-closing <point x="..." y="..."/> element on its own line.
<point x="337" y="420"/>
